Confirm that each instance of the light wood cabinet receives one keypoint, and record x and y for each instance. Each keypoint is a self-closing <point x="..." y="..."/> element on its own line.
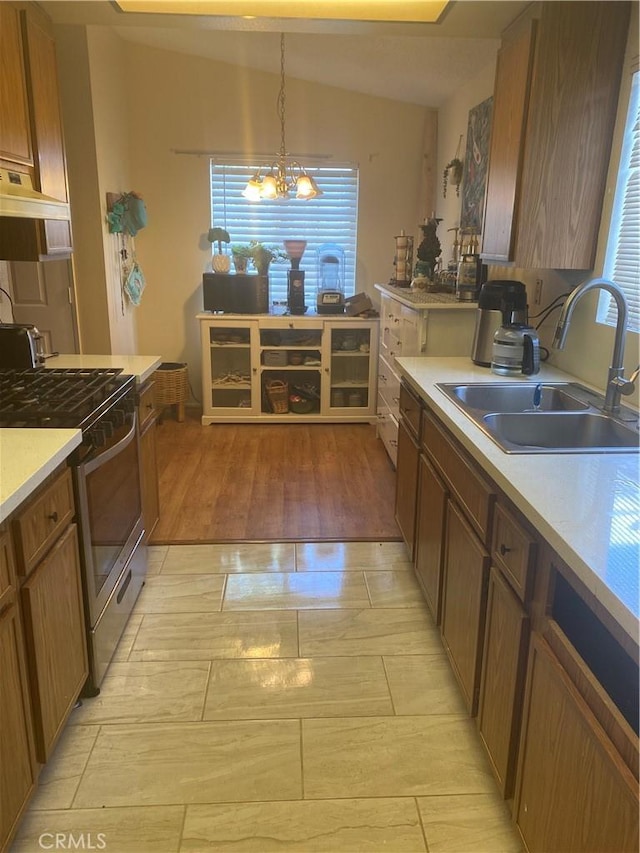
<point x="407" y="466"/>
<point x="147" y="425"/>
<point x="55" y="633"/>
<point x="31" y="48"/>
<point x="573" y="792"/>
<point x="557" y="81"/>
<point x="466" y="573"/>
<point x="17" y="760"/>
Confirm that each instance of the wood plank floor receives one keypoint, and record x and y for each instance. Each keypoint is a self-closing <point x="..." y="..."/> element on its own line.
<point x="272" y="483"/>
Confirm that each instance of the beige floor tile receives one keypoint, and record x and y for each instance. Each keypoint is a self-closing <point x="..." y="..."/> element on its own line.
<point x="202" y="636"/>
<point x="393" y="756"/>
<point x="280" y="591"/>
<point x="128" y="637"/>
<point x="458" y="824"/>
<point x="423" y="684"/>
<point x="181" y="594"/>
<point x="155" y="558"/>
<point x="148" y="692"/>
<point x="60" y="777"/>
<point x="303" y="687"/>
<point x="150" y="829"/>
<point x="304" y="826"/>
<point x="333" y="556"/>
<point x="193" y="763"/>
<point x="394" y="631"/>
<point x="226" y="559"/>
<point x="393" y="589"/>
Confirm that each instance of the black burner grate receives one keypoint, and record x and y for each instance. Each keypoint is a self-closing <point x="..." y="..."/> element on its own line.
<point x="56" y="397"/>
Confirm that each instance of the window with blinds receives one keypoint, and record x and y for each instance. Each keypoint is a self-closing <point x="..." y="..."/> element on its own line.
<point x="622" y="261"/>
<point x="329" y="218"/>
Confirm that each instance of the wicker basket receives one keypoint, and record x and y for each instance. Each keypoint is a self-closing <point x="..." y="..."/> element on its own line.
<point x="171" y="386"/>
<point x="278" y="394"/>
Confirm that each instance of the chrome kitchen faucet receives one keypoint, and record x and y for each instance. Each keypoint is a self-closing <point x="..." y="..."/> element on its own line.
<point x="616" y="383"/>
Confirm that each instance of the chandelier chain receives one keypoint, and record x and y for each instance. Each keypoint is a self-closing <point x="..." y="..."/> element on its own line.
<point x="282" y="97"/>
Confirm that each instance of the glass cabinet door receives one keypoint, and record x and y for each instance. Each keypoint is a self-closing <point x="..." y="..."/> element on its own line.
<point x="233" y="375"/>
<point x="350" y="368"/>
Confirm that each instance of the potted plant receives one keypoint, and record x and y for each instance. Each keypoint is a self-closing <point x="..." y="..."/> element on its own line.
<point x="262" y="256"/>
<point x="241" y="254"/>
<point x="452" y="174"/>
<point x="219" y="262"/>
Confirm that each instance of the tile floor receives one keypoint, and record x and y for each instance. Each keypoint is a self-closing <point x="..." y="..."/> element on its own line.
<point x="273" y="697"/>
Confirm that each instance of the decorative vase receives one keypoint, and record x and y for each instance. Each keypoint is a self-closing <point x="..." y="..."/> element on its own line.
<point x="240" y="264"/>
<point x="221" y="263"/>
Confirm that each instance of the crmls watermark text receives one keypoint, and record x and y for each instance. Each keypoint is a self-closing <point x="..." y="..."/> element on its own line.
<point x="73" y="841"/>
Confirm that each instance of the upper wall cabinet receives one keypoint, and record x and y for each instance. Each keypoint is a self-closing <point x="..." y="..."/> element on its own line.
<point x="555" y="101"/>
<point x="31" y="130"/>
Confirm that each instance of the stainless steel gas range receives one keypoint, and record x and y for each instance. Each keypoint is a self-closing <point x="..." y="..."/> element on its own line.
<point x="106" y="476"/>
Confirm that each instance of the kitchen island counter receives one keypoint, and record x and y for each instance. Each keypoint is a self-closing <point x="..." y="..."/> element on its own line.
<point x="27" y="457"/>
<point x="140" y="366"/>
<point x="584" y="505"/>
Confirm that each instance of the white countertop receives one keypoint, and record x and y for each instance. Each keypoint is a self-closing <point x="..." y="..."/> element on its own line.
<point x="586" y="506"/>
<point x="27" y="457"/>
<point x="140" y="366"/>
<point x="422" y="300"/>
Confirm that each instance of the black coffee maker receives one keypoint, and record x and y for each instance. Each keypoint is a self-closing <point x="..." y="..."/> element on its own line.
<point x="295" y="276"/>
<point x="500" y="303"/>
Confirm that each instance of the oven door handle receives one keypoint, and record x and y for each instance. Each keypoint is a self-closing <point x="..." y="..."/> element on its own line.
<point x="112" y="451"/>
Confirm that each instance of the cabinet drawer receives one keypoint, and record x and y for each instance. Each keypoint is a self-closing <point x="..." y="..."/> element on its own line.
<point x="146" y="404"/>
<point x="388" y="433"/>
<point x="389" y="387"/>
<point x="472" y="491"/>
<point x="7" y="570"/>
<point x="410" y="410"/>
<point x="38" y="526"/>
<point x="514" y="552"/>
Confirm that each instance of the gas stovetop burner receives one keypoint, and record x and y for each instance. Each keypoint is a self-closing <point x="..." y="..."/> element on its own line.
<point x="57" y="397"/>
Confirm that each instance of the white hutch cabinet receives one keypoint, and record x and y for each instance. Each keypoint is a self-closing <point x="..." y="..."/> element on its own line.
<point x="316" y="368"/>
<point x="415" y="324"/>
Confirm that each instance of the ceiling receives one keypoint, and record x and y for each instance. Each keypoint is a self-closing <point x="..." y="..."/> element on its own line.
<point x="418" y="63"/>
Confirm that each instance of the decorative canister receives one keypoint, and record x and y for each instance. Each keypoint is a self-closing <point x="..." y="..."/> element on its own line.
<point x="355" y="398"/>
<point x="337" y="398"/>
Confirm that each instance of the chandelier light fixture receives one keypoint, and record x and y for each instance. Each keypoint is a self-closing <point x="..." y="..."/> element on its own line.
<point x="284" y="177"/>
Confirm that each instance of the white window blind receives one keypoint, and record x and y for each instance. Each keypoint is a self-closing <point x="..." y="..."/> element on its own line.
<point x="329" y="218"/>
<point x="622" y="262"/>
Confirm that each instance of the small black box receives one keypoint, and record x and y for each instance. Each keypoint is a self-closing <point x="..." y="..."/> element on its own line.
<point x="235" y="294"/>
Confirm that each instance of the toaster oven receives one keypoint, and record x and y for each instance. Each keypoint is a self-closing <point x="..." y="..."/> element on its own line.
<point x="20" y="346"/>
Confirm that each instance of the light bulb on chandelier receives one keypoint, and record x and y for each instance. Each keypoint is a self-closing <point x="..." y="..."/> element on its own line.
<point x="284" y="176"/>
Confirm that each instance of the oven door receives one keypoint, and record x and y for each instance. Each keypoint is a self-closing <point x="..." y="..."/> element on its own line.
<point x="108" y="489"/>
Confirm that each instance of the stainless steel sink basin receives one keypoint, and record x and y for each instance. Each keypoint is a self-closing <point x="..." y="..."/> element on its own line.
<point x="563" y="431"/>
<point x="517" y="398"/>
<point x="567" y="419"/>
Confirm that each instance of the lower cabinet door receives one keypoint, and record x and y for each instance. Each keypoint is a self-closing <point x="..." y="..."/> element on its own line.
<point x="464" y="604"/>
<point x="17" y="776"/>
<point x="573" y="792"/>
<point x="149" y="479"/>
<point x="503" y="669"/>
<point x="406" y="485"/>
<point x="55" y="638"/>
<point x="432" y="503"/>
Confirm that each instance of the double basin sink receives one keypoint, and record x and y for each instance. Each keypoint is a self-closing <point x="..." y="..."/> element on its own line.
<point x="562" y="417"/>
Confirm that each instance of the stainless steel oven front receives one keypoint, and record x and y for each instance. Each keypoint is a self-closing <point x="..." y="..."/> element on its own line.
<point x="108" y="492"/>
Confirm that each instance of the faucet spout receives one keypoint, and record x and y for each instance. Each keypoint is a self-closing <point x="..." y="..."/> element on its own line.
<point x="615" y="376"/>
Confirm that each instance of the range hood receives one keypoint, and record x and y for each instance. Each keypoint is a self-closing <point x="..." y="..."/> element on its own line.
<point x="19" y="199"/>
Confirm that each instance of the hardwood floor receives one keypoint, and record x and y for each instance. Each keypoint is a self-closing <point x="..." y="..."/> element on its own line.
<point x="273" y="483"/>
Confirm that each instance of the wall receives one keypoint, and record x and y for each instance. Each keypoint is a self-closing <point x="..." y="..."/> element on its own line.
<point x="93" y="86"/>
<point x="185" y="102"/>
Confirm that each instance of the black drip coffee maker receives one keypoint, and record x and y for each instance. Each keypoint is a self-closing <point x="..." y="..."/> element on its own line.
<point x="295" y="276"/>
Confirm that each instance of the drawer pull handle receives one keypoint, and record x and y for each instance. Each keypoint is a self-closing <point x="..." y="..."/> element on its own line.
<point x="53" y="517"/>
<point x="504" y="550"/>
